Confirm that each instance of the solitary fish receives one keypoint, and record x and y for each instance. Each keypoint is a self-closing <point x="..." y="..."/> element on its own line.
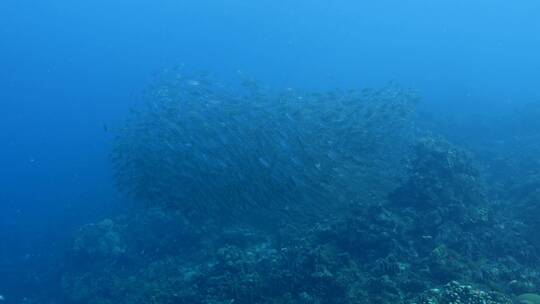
<point x="2" y="298"/>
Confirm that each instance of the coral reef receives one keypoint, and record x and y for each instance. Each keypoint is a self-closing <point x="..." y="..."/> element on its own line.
<point x="374" y="255"/>
<point x="360" y="211"/>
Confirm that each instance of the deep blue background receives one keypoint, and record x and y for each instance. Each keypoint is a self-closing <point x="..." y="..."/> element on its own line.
<point x="69" y="68"/>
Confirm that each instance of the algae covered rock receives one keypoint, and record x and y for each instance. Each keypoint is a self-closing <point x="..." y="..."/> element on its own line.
<point x="443" y="186"/>
<point x="100" y="240"/>
<point x="440" y="175"/>
<point x="456" y="293"/>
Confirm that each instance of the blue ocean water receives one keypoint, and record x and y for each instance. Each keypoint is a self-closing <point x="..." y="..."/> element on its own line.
<point x="71" y="70"/>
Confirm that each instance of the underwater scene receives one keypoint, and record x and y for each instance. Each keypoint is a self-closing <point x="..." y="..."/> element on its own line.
<point x="273" y="152"/>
